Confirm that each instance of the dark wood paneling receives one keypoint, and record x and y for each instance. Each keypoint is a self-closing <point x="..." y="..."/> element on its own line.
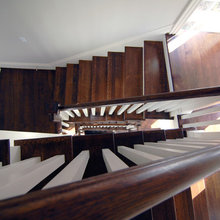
<point x="147" y="215"/>
<point x="157" y="115"/>
<point x="133" y="116"/>
<point x="155" y="74"/>
<point x="85" y="81"/>
<point x="59" y="88"/>
<point x="4" y="152"/>
<point x="184" y="206"/>
<point x="116" y="68"/>
<point x="133" y="78"/>
<point x="95" y="144"/>
<point x="200" y="205"/>
<point x="212" y="184"/>
<point x="24" y="95"/>
<point x="195" y="64"/>
<point x="72" y="74"/>
<point x="46" y="147"/>
<point x="114" y="116"/>
<point x="89" y="141"/>
<point x="128" y="139"/>
<point x="164" y="211"/>
<point x="118" y="195"/>
<point x="153" y="136"/>
<point x="174" y="133"/>
<point x="99" y="79"/>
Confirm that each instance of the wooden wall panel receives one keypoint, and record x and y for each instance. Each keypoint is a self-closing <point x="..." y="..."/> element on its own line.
<point x="116" y="68"/>
<point x="174" y="133"/>
<point x="84" y="82"/>
<point x="24" y="96"/>
<point x="155" y="74"/>
<point x="59" y="87"/>
<point x="184" y="205"/>
<point x="128" y="139"/>
<point x="164" y="211"/>
<point x="4" y="152"/>
<point x="153" y="136"/>
<point x="212" y="184"/>
<point x="46" y="147"/>
<point x="195" y="64"/>
<point x="133" y="79"/>
<point x="72" y="73"/>
<point x="199" y="199"/>
<point x="99" y="79"/>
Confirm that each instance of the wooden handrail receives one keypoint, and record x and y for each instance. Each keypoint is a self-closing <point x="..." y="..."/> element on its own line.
<point x="166" y="96"/>
<point x="118" y="195"/>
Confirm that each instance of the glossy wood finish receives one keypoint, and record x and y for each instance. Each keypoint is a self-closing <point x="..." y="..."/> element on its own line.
<point x="59" y="87"/>
<point x="157" y="115"/>
<point x="109" y="196"/>
<point x="212" y="184"/>
<point x="164" y="211"/>
<point x="155" y="74"/>
<point x="147" y="215"/>
<point x="87" y="142"/>
<point x="72" y="74"/>
<point x="4" y="152"/>
<point x="128" y="139"/>
<point x="184" y="205"/>
<point x="99" y="79"/>
<point x="116" y="69"/>
<point x="46" y="147"/>
<point x="84" y="82"/>
<point x="194" y="93"/>
<point x="195" y="64"/>
<point x="174" y="133"/>
<point x="133" y="78"/>
<point x="153" y="136"/>
<point x="199" y="200"/>
<point x="24" y="95"/>
<point x="95" y="144"/>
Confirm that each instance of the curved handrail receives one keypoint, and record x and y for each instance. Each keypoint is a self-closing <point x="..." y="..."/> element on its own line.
<point x="166" y="96"/>
<point x="118" y="195"/>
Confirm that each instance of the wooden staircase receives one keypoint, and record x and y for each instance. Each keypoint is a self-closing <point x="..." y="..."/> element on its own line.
<point x="164" y="184"/>
<point x="137" y="71"/>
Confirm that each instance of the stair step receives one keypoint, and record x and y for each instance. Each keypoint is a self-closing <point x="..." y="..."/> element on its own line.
<point x="84" y="82"/>
<point x="99" y="78"/>
<point x="155" y="75"/>
<point x="72" y="74"/>
<point x="133" y="79"/>
<point x="60" y="81"/>
<point x="116" y="69"/>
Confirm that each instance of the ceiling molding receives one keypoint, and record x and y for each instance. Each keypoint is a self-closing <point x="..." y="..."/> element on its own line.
<point x="156" y="35"/>
<point x="190" y="8"/>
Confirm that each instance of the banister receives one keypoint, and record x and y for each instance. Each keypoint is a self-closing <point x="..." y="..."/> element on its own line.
<point x="166" y="96"/>
<point x="117" y="195"/>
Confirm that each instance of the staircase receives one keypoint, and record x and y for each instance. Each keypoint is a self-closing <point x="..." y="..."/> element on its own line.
<point x="147" y="175"/>
<point x="135" y="72"/>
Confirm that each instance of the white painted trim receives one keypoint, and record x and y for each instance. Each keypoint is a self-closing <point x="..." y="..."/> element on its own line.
<point x="72" y="172"/>
<point x="187" y="12"/>
<point x="201" y="124"/>
<point x="112" y="162"/>
<point x="167" y="62"/>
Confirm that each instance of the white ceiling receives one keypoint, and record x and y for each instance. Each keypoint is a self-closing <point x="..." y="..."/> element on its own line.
<point x="53" y="32"/>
